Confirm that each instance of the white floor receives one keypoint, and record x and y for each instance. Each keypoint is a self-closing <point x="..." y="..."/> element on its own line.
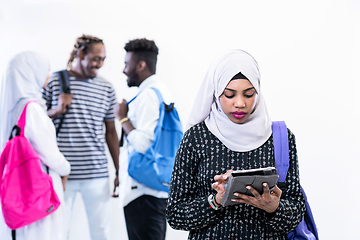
<point x="80" y="228"/>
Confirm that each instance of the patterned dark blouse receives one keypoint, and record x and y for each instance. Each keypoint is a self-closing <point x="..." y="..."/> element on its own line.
<point x="200" y="157"/>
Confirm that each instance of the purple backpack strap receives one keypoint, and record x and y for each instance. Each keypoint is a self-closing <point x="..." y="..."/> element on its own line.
<point x="281" y="141"/>
<point x="307" y="227"/>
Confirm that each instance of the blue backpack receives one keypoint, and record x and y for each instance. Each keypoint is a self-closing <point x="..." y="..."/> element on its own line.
<point x="154" y="168"/>
<point x="307" y="227"/>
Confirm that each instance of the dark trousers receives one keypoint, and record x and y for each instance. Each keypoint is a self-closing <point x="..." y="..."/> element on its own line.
<point x="145" y="218"/>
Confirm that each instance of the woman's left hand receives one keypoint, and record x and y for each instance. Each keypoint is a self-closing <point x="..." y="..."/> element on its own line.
<point x="267" y="201"/>
<point x="63" y="181"/>
<point x="218" y="185"/>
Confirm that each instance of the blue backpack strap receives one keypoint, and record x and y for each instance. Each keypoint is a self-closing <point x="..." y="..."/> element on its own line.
<point x="127" y="103"/>
<point x="157" y="93"/>
<point x="161" y="114"/>
<point x="281" y="149"/>
<point x="161" y="100"/>
<point x="121" y="142"/>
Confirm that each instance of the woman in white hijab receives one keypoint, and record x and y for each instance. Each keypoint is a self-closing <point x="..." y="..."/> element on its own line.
<point x="230" y="129"/>
<point x="26" y="74"/>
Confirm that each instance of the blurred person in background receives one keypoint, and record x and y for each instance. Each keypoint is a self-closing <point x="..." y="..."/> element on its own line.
<point x="144" y="207"/>
<point x="81" y="137"/>
<point x="26" y="75"/>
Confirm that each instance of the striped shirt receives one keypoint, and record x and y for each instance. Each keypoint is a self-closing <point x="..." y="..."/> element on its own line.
<point x="81" y="138"/>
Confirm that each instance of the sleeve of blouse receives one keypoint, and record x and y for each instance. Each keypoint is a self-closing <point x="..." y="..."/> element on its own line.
<point x="292" y="203"/>
<point x="147" y="117"/>
<point x="40" y="131"/>
<point x="188" y="209"/>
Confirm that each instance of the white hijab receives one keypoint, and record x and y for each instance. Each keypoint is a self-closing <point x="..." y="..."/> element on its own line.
<point x="24" y="78"/>
<point x="244" y="137"/>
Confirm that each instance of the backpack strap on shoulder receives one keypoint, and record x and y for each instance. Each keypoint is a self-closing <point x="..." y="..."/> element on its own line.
<point x="281" y="148"/>
<point x="156" y="91"/>
<point x="161" y="100"/>
<point x="168" y="108"/>
<point x="22" y="120"/>
<point x="64" y="81"/>
<point x="20" y="127"/>
<point x="121" y="142"/>
<point x="307" y="227"/>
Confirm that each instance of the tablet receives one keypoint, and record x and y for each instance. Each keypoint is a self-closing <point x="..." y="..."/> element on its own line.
<point x="239" y="179"/>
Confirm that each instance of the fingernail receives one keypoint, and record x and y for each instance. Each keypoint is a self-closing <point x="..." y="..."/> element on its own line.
<point x="264" y="184"/>
<point x="236" y="194"/>
<point x="248" y="187"/>
<point x="233" y="200"/>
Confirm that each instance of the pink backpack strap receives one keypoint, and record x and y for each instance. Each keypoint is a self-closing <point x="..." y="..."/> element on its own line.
<point x="22" y="119"/>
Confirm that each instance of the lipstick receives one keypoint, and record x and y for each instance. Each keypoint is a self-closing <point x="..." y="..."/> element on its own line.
<point x="238" y="115"/>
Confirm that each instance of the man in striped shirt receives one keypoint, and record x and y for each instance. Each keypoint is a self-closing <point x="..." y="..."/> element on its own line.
<point x="81" y="136"/>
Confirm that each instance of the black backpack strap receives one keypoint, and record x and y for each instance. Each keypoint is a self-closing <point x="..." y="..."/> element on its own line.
<point x="64" y="82"/>
<point x="121" y="142"/>
<point x="17" y="133"/>
<point x="13" y="234"/>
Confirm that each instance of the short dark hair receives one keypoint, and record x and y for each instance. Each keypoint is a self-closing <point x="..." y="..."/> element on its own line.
<point x="145" y="50"/>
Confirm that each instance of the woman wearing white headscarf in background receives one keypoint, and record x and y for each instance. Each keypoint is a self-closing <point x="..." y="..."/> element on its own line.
<point x="26" y="74"/>
<point x="230" y="129"/>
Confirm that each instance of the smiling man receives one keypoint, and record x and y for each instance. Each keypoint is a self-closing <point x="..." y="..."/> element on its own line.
<point x="144" y="207"/>
<point x="80" y="137"/>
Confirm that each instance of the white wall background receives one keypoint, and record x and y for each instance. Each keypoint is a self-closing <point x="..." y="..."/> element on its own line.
<point x="308" y="52"/>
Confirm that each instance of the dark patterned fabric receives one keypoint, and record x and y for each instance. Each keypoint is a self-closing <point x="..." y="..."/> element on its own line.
<point x="200" y="157"/>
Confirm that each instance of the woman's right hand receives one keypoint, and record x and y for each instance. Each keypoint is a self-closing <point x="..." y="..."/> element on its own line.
<point x="218" y="185"/>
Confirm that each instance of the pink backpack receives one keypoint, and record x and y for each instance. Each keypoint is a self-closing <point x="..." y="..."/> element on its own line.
<point x="26" y="192"/>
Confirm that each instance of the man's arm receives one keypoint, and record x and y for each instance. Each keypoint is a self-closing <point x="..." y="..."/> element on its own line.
<point x="113" y="145"/>
<point x="63" y="102"/>
<point x="53" y="113"/>
<point x="121" y="111"/>
<point x="147" y="116"/>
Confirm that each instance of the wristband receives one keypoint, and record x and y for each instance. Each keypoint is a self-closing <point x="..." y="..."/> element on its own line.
<point x="124" y="120"/>
<point x="216" y="201"/>
<point x="117" y="172"/>
<point x="212" y="205"/>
